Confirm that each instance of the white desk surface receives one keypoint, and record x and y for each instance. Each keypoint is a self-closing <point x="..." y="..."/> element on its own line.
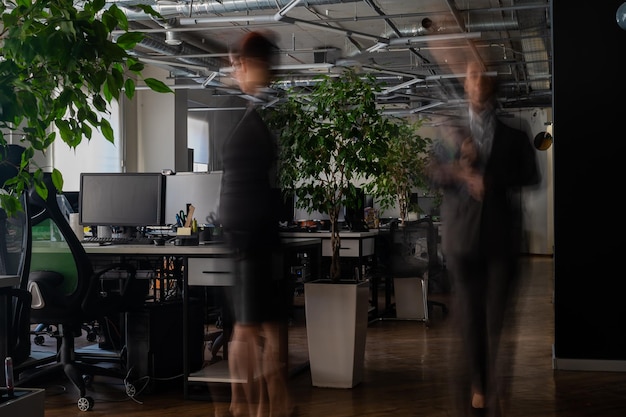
<point x="213" y="249"/>
<point x="324" y="234"/>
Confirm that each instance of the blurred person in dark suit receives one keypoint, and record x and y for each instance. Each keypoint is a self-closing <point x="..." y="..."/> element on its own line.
<point x="258" y="298"/>
<point x="481" y="168"/>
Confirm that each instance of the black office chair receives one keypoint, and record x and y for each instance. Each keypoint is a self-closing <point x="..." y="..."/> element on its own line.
<point x="413" y="253"/>
<point x="66" y="303"/>
<point x="12" y="262"/>
<point x="15" y="259"/>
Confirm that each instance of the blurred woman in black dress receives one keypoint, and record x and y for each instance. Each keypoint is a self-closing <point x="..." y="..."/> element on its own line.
<point x="250" y="228"/>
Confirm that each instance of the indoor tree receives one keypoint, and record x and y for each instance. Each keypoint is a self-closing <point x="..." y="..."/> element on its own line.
<point x="403" y="167"/>
<point x="60" y="66"/>
<point x="332" y="141"/>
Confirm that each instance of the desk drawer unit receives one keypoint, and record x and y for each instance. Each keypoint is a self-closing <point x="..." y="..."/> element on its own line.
<point x="350" y="248"/>
<point x="210" y="271"/>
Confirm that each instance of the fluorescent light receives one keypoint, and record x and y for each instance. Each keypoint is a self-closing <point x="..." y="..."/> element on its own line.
<point x="401" y="42"/>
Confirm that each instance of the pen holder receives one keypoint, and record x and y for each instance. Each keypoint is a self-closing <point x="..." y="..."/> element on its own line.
<point x="183" y="231"/>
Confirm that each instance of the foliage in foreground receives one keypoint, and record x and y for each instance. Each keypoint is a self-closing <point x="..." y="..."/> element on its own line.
<point x="60" y="67"/>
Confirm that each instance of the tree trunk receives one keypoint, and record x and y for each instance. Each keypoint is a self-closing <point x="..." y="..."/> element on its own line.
<point x="404" y="207"/>
<point x="335" y="244"/>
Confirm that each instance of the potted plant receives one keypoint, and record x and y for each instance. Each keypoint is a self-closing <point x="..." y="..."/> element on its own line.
<point x="61" y="66"/>
<point x="332" y="142"/>
<point x="403" y="168"/>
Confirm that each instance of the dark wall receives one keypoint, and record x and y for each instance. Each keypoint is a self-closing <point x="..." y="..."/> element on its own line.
<point x="589" y="83"/>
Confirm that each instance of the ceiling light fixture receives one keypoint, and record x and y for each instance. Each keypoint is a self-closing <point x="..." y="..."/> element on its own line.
<point x="209" y="78"/>
<point x="382" y="43"/>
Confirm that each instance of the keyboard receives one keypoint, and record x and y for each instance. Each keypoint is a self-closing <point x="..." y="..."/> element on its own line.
<point x="118" y="240"/>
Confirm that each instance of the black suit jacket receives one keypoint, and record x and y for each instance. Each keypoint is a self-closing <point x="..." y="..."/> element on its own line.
<point x="493" y="226"/>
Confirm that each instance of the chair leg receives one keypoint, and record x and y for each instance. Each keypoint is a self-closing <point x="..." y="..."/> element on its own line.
<point x="67" y="359"/>
<point x="425" y="298"/>
<point x="79" y="372"/>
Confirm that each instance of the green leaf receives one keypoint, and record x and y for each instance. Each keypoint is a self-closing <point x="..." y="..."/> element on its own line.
<point x="129" y="40"/>
<point x="107" y="130"/>
<point x="99" y="103"/>
<point x="158" y="86"/>
<point x="109" y="21"/>
<point x="129" y="88"/>
<point x="135" y="66"/>
<point x="97" y="5"/>
<point x="149" y="10"/>
<point x="41" y="189"/>
<point x="122" y="20"/>
<point x="57" y="179"/>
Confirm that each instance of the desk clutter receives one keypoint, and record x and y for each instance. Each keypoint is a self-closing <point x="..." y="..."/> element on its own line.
<point x="159" y="236"/>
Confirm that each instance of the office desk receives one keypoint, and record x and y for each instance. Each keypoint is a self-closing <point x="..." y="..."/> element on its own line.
<point x="353" y="244"/>
<point x="356" y="247"/>
<point x="211" y="265"/>
<point x="6" y="282"/>
<point x="218" y="272"/>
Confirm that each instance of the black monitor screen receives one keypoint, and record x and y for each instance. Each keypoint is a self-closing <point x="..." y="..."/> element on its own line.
<point x="284" y="209"/>
<point x="72" y="198"/>
<point x="121" y="199"/>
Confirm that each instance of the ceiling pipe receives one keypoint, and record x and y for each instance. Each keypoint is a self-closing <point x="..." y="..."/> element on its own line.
<point x="479" y="23"/>
<point x="480" y="18"/>
<point x="213" y="8"/>
<point x="158" y="45"/>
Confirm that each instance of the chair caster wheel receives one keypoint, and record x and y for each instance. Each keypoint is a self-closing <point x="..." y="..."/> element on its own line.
<point x="39" y="340"/>
<point x="85" y="403"/>
<point x="131" y="391"/>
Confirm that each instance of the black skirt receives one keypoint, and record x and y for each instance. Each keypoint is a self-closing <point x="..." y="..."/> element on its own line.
<point x="262" y="292"/>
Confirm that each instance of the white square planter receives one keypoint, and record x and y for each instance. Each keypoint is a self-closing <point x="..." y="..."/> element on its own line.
<point x="410" y="296"/>
<point x="336" y="323"/>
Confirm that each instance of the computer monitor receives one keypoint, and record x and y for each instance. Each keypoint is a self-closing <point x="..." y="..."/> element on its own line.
<point x="284" y="209"/>
<point x="72" y="199"/>
<point x="200" y="189"/>
<point x="354" y="217"/>
<point x="303" y="214"/>
<point x="427" y="205"/>
<point x="121" y="199"/>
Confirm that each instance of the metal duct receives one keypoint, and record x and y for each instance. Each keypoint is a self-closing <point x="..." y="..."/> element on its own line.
<point x="170" y="11"/>
<point x="477" y="23"/>
<point x="209" y="8"/>
<point x="156" y="44"/>
<point x="488" y="22"/>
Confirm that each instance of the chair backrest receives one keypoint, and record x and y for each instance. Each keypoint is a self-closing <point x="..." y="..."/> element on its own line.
<point x="413" y="248"/>
<point x="15" y="243"/>
<point x="14" y="260"/>
<point x="68" y="302"/>
<point x="15" y="250"/>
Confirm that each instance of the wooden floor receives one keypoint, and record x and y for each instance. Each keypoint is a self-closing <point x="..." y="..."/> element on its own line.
<point x="409" y="372"/>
